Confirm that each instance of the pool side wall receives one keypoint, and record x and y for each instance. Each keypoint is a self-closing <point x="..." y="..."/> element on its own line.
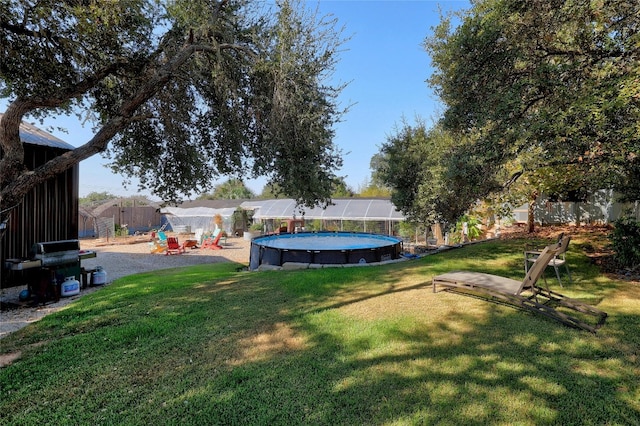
<point x="261" y="254"/>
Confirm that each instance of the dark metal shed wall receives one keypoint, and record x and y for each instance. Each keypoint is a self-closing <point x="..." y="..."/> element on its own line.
<point x="48" y="213"/>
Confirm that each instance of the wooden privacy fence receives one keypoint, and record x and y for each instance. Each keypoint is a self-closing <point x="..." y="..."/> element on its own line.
<point x="138" y="218"/>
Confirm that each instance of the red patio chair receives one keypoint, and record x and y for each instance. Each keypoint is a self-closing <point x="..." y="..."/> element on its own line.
<point x="173" y="246"/>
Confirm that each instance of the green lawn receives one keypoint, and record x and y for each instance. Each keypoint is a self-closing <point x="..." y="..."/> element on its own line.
<point x="370" y="345"/>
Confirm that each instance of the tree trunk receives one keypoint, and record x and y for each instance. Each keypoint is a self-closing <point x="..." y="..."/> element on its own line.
<point x="437" y="233"/>
<point x="531" y="213"/>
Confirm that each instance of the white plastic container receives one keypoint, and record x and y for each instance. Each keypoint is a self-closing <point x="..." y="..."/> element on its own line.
<point x="69" y="287"/>
<point x="99" y="276"/>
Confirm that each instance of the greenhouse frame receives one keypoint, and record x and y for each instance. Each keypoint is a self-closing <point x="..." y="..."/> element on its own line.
<point x="374" y="215"/>
<point x="189" y="220"/>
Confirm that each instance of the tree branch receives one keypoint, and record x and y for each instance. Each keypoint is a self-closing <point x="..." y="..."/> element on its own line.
<point x="17" y="29"/>
<point x="10" y="138"/>
<point x="512" y="180"/>
<point x="223" y="46"/>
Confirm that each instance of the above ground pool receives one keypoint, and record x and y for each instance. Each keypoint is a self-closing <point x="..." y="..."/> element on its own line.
<point x="323" y="248"/>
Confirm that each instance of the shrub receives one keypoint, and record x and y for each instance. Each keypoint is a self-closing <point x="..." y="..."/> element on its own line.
<point x="407" y="229"/>
<point x="121" y="231"/>
<point x="473" y="230"/>
<point x="313" y="225"/>
<point x="625" y="239"/>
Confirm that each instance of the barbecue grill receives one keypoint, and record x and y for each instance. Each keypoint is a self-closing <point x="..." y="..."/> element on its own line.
<point x="55" y="260"/>
<point x="50" y="255"/>
<point x="56" y="253"/>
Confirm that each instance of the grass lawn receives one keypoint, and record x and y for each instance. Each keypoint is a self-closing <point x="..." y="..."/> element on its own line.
<point x="369" y="345"/>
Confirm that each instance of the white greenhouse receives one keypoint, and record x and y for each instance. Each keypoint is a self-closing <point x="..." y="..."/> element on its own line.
<point x="373" y="215"/>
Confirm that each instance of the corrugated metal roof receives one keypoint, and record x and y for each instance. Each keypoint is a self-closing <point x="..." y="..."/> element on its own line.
<point x="32" y="135"/>
<point x="341" y="209"/>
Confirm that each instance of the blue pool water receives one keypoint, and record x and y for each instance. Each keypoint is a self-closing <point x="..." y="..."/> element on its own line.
<point x="329" y="241"/>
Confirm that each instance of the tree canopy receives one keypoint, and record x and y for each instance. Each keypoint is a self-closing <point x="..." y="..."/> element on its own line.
<point x="372" y="190"/>
<point x="539" y="97"/>
<point x="416" y="163"/>
<point x="95" y="198"/>
<point x="341" y="189"/>
<point x="548" y="87"/>
<point x="179" y="92"/>
<point x="231" y="189"/>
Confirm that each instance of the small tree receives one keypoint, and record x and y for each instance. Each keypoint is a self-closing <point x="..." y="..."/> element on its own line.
<point x="407" y="229"/>
<point x="373" y="190"/>
<point x="413" y="163"/>
<point x="232" y="189"/>
<point x="341" y="189"/>
<point x="217" y="220"/>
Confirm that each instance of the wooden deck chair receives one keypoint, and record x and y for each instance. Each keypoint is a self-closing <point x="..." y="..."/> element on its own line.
<point x="213" y="242"/>
<point x="526" y="294"/>
<point x="173" y="246"/>
<point x="558" y="260"/>
<point x="156" y="247"/>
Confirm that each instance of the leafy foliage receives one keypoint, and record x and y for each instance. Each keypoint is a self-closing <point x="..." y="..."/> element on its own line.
<point x="372" y="190"/>
<point x="232" y="189"/>
<point x="179" y="92"/>
<point x="341" y="189"/>
<point x="426" y="180"/>
<point x="95" y="198"/>
<point x="547" y="90"/>
<point x="466" y="228"/>
<point x="625" y="239"/>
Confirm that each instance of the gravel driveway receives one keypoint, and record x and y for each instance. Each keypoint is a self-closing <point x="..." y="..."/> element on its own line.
<point x="126" y="259"/>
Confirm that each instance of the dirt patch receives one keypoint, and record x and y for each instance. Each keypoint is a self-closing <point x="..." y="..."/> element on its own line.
<point x="8" y="359"/>
<point x="593" y="241"/>
<point x="278" y="338"/>
<point x="115" y="241"/>
<point x="552" y="232"/>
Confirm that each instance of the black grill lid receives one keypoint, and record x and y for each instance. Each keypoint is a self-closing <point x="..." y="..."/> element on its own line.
<point x="54" y="247"/>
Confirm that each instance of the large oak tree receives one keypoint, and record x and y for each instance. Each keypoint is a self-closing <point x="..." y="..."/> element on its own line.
<point x="542" y="90"/>
<point x="179" y="91"/>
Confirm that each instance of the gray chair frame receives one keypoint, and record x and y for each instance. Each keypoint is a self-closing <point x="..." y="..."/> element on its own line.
<point x="526" y="294"/>
<point x="558" y="260"/>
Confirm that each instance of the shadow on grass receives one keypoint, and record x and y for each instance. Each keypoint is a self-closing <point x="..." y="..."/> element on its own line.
<point x="490" y="373"/>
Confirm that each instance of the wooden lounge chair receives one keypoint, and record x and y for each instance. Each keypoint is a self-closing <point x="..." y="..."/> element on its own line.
<point x="173" y="246"/>
<point x="156" y="247"/>
<point x="213" y="242"/>
<point x="526" y="294"/>
<point x="558" y="260"/>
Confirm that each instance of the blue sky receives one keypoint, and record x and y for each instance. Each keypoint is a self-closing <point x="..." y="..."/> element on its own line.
<point x="386" y="68"/>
